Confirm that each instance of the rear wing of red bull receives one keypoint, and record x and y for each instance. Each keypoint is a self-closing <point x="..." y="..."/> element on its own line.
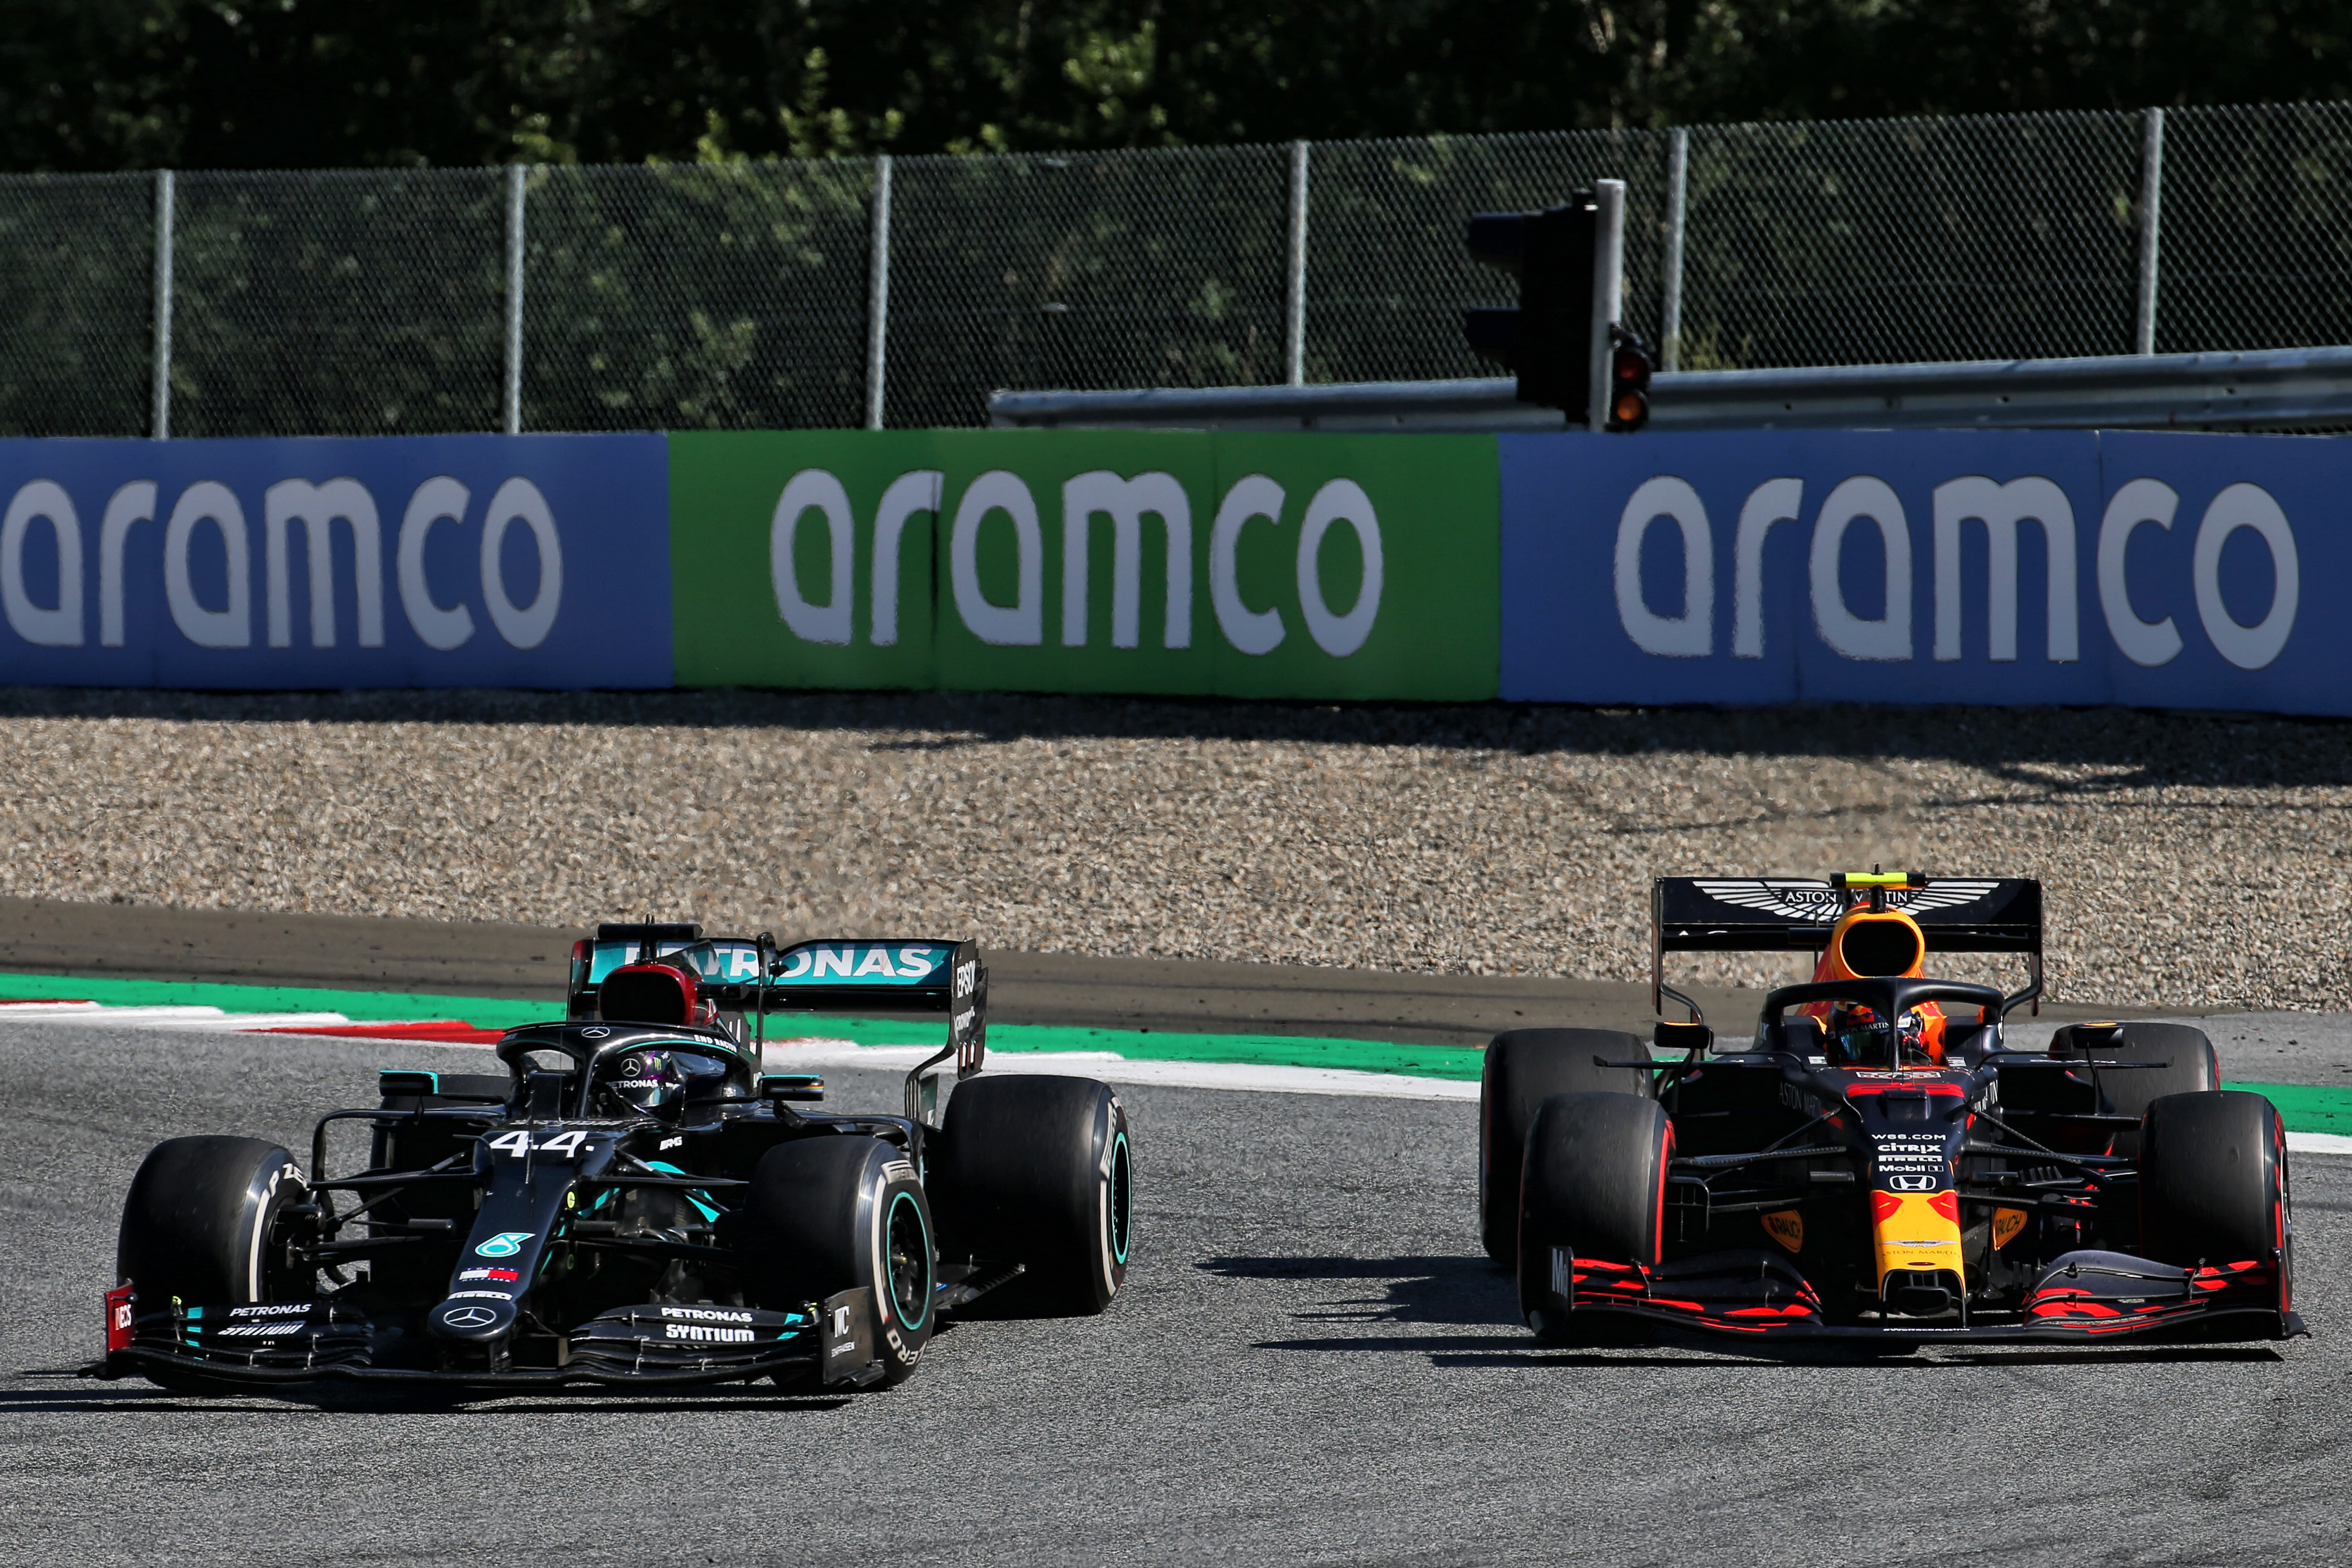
<point x="1795" y="914"/>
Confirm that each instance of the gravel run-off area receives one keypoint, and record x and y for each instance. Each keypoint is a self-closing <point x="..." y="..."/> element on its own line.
<point x="2190" y="861"/>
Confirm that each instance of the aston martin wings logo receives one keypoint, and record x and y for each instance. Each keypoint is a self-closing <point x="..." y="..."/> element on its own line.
<point x="1809" y="902"/>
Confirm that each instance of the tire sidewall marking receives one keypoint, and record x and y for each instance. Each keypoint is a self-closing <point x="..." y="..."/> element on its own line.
<point x="1118" y="1237"/>
<point x="880" y="1203"/>
<point x="260" y="1199"/>
<point x="892" y="1197"/>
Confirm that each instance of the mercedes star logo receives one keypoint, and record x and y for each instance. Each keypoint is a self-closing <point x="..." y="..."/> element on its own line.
<point x="469" y="1318"/>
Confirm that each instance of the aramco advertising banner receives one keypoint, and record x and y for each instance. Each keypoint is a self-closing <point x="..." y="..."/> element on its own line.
<point x="433" y="561"/>
<point x="2153" y="570"/>
<point x="1228" y="563"/>
<point x="2162" y="571"/>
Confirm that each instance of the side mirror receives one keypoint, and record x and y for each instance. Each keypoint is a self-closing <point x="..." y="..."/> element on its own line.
<point x="543" y="1093"/>
<point x="1801" y="1033"/>
<point x="1690" y="1039"/>
<point x="791" y="1085"/>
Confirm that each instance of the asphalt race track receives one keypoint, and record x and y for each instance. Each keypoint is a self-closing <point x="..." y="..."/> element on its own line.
<point x="1311" y="1363"/>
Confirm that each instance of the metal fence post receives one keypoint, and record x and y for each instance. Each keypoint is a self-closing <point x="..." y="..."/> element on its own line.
<point x="159" y="420"/>
<point x="1294" y="326"/>
<point x="1608" y="293"/>
<point x="2151" y="218"/>
<point x="514" y="299"/>
<point x="877" y="295"/>
<point x="1670" y="328"/>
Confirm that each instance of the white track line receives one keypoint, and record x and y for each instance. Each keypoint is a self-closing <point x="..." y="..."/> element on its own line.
<point x="784" y="1056"/>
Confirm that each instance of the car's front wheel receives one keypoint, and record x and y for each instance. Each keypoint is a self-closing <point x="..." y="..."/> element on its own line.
<point x="2214" y="1184"/>
<point x="204" y="1224"/>
<point x="1592" y="1186"/>
<point x="836" y="1213"/>
<point x="1523" y="1068"/>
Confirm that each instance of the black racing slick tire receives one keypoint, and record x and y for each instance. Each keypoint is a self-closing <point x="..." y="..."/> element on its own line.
<point x="2190" y="1066"/>
<point x="1038" y="1171"/>
<point x="1525" y="1068"/>
<point x="2214" y="1183"/>
<point x="836" y="1213"/>
<point x="1592" y="1186"/>
<point x="203" y="1225"/>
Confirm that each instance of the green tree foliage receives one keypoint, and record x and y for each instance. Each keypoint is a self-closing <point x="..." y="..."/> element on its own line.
<point x="105" y="84"/>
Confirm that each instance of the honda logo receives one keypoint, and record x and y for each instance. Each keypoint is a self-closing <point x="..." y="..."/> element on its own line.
<point x="1911" y="1183"/>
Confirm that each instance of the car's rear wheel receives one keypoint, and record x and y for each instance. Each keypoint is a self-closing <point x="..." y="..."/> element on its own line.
<point x="2214" y="1184"/>
<point x="1038" y="1171"/>
<point x="1524" y="1067"/>
<point x="2186" y="1063"/>
<point x="836" y="1213"/>
<point x="204" y="1224"/>
<point x="1592" y="1186"/>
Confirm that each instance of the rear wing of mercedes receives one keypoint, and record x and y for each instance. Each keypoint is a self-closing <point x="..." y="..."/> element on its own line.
<point x="1794" y="914"/>
<point x="833" y="974"/>
<point x="900" y="977"/>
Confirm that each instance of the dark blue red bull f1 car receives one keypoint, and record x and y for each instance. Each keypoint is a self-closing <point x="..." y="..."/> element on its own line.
<point x="1877" y="1160"/>
<point x="633" y="1201"/>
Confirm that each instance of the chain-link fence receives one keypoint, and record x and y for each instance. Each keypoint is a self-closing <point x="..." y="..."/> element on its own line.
<point x="694" y="298"/>
<point x="821" y="293"/>
<point x="345" y="302"/>
<point x="77" y="265"/>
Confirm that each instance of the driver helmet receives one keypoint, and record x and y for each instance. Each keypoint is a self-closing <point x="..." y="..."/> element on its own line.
<point x="1857" y="1035"/>
<point x="657" y="1079"/>
<point x="650" y="1081"/>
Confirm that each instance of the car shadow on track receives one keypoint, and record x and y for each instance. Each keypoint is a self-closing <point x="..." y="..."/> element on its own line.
<point x="143" y="1399"/>
<point x="1816" y="1354"/>
<point x="1473" y="1292"/>
<point x="1467" y="1291"/>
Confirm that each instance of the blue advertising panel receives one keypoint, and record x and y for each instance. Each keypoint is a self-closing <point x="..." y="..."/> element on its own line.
<point x="323" y="563"/>
<point x="1932" y="567"/>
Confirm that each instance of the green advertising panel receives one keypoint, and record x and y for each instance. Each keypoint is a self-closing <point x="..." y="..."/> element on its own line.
<point x="1292" y="565"/>
<point x="1076" y="561"/>
<point x="770" y="528"/>
<point x="1365" y="566"/>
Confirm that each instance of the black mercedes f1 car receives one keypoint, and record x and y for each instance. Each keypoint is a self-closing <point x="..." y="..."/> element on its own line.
<point x="633" y="1201"/>
<point x="1876" y="1160"/>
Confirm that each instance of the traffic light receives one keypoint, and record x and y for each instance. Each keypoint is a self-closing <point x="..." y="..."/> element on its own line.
<point x="1630" y="363"/>
<point x="1546" y="342"/>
